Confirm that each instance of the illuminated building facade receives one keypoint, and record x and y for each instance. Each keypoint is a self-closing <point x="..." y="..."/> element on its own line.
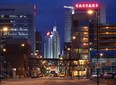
<point x="68" y="18"/>
<point x="82" y="34"/>
<point x="107" y="49"/>
<point x="107" y="37"/>
<point x="20" y="20"/>
<point x="52" y="44"/>
<point x="80" y="40"/>
<point x="91" y="34"/>
<point x="67" y="27"/>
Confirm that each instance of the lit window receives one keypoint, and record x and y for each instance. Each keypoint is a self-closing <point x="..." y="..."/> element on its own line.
<point x="21" y="16"/>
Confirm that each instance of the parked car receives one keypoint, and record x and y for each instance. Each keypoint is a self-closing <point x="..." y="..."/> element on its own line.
<point x="34" y="75"/>
<point x="108" y="75"/>
<point x="1" y="76"/>
<point x="95" y="75"/>
<point x="41" y="75"/>
<point x="62" y="75"/>
<point x="114" y="75"/>
<point x="55" y="75"/>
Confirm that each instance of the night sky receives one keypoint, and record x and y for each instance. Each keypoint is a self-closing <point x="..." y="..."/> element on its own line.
<point x="51" y="11"/>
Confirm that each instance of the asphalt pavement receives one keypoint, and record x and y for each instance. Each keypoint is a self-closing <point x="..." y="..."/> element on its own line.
<point x="48" y="81"/>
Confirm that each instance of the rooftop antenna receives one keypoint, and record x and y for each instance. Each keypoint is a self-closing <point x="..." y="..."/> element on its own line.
<point x="54" y="28"/>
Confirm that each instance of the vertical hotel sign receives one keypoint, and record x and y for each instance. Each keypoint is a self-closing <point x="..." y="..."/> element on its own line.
<point x="34" y="10"/>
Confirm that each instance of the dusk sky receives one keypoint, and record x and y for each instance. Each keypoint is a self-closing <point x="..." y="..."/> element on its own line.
<point x="51" y="11"/>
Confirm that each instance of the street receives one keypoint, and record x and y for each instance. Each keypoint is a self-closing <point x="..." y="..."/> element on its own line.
<point x="48" y="81"/>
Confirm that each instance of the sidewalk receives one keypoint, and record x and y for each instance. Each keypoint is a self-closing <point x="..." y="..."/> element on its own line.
<point x="13" y="79"/>
<point x="88" y="82"/>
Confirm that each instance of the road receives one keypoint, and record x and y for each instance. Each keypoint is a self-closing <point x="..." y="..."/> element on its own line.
<point x="48" y="81"/>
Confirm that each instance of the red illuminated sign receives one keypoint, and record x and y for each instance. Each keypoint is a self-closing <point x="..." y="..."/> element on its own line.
<point x="86" y="5"/>
<point x="48" y="33"/>
<point x="34" y="10"/>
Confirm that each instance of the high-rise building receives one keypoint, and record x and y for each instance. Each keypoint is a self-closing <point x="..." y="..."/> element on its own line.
<point x="52" y="44"/>
<point x="67" y="27"/>
<point x="107" y="37"/>
<point x="68" y="20"/>
<point x="16" y="57"/>
<point x="38" y="44"/>
<point x="20" y="21"/>
<point x="107" y="49"/>
<point x="83" y="30"/>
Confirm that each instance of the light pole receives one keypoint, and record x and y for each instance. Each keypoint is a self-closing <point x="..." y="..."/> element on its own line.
<point x="101" y="54"/>
<point x="22" y="52"/>
<point x="97" y="39"/>
<point x="2" y="31"/>
<point x="69" y="57"/>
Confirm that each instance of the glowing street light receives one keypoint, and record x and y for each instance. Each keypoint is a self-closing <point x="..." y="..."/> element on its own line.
<point x="68" y="49"/>
<point x="22" y="45"/>
<point x="61" y="58"/>
<point x="101" y="54"/>
<point x="73" y="37"/>
<point x="90" y="12"/>
<point x="4" y="50"/>
<point x="5" y="29"/>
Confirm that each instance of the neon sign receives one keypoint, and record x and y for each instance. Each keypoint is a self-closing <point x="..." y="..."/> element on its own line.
<point x="86" y="5"/>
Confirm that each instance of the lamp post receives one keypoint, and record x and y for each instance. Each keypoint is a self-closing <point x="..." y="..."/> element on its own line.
<point x="97" y="39"/>
<point x="2" y="31"/>
<point x="69" y="57"/>
<point x="101" y="54"/>
<point x="22" y="51"/>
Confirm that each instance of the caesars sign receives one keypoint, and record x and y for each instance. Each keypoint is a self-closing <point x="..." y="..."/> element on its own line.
<point x="84" y="6"/>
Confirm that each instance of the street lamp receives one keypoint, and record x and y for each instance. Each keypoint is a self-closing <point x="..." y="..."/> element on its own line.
<point x="21" y="51"/>
<point x="5" y="29"/>
<point x="73" y="37"/>
<point x="97" y="38"/>
<point x="90" y="12"/>
<point x="4" y="50"/>
<point x="69" y="64"/>
<point x="22" y="45"/>
<point x="101" y="54"/>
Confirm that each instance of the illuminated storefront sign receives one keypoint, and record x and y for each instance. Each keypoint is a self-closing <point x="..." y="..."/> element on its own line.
<point x="86" y="5"/>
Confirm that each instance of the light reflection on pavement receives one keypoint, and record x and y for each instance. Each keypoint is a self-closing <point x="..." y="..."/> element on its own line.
<point x="48" y="81"/>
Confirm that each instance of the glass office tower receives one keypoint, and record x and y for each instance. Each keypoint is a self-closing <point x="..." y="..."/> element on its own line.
<point x="20" y="21"/>
<point x="52" y="44"/>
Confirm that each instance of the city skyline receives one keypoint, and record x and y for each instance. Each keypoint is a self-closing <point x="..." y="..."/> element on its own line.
<point x="53" y="11"/>
<point x="78" y="45"/>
